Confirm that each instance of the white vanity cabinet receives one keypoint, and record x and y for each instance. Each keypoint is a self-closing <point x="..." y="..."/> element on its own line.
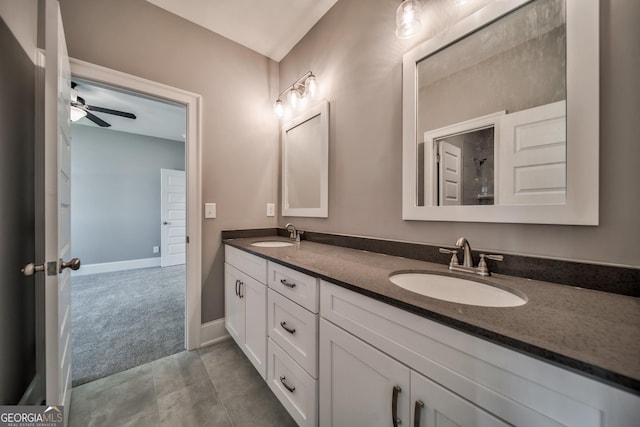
<point x="292" y="327"/>
<point x="245" y="296"/>
<point x="446" y="377"/>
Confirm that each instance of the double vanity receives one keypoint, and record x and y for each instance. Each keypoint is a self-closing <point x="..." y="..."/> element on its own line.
<point x="347" y="337"/>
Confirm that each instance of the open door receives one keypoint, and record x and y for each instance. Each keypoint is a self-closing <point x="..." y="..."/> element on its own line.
<point x="55" y="208"/>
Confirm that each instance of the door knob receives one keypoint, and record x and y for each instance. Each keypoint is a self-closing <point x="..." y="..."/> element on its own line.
<point x="74" y="264"/>
<point x="31" y="268"/>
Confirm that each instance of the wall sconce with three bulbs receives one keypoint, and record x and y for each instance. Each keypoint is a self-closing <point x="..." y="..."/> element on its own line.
<point x="303" y="88"/>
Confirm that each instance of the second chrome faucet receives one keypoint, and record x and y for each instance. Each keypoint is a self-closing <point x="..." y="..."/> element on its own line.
<point x="467" y="259"/>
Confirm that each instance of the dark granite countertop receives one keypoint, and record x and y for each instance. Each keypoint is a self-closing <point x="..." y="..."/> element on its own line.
<point x="590" y="332"/>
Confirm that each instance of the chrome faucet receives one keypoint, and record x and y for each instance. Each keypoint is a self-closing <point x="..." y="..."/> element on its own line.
<point x="467" y="258"/>
<point x="294" y="234"/>
<point x="467" y="261"/>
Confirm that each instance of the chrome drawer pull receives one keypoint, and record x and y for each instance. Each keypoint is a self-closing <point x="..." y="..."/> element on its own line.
<point x="287" y="284"/>
<point x="286" y="328"/>
<point x="283" y="380"/>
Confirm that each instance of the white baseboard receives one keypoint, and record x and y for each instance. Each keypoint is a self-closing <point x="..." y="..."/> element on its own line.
<point x="213" y="332"/>
<point x="108" y="267"/>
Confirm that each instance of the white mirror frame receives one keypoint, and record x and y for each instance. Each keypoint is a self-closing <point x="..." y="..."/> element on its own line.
<point x="322" y="110"/>
<point x="583" y="124"/>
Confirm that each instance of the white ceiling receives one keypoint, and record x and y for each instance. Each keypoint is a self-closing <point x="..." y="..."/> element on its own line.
<point x="154" y="117"/>
<point x="270" y="27"/>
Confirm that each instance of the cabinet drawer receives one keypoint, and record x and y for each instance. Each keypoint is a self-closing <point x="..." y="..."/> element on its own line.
<point x="293" y="386"/>
<point x="299" y="287"/>
<point x="252" y="265"/>
<point x="295" y="329"/>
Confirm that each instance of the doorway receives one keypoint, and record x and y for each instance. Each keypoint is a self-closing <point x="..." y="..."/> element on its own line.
<point x="127" y="306"/>
<point x="193" y="218"/>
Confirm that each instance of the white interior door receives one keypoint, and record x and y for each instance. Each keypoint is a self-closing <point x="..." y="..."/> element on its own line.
<point x="450" y="174"/>
<point x="533" y="156"/>
<point x="57" y="225"/>
<point x="173" y="203"/>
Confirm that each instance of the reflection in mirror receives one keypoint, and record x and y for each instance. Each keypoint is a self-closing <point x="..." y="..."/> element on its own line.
<point x="305" y="163"/>
<point x="515" y="64"/>
<point x="465" y="168"/>
<point x="500" y="116"/>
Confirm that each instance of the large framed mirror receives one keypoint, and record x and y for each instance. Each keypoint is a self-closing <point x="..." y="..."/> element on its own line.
<point x="501" y="117"/>
<point x="305" y="163"/>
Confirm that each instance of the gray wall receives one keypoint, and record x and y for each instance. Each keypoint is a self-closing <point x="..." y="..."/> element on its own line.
<point x="240" y="137"/>
<point x="357" y="58"/>
<point x="17" y="215"/>
<point x="115" y="192"/>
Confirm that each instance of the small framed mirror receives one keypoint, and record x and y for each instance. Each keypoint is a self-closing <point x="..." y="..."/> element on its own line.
<point x="305" y="163"/>
<point x="501" y="116"/>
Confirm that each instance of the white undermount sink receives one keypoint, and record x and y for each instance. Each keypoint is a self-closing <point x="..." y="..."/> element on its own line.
<point x="455" y="289"/>
<point x="272" y="244"/>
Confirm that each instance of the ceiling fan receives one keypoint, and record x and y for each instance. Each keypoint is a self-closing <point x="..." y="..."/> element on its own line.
<point x="80" y="109"/>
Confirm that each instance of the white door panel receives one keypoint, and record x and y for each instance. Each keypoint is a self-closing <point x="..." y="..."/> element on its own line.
<point x="450" y="174"/>
<point x="533" y="153"/>
<point x="173" y="213"/>
<point x="57" y="198"/>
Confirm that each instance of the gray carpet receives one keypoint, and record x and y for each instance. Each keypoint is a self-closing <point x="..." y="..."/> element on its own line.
<point x="125" y="319"/>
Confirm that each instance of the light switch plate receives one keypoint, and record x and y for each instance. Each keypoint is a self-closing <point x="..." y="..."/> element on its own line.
<point x="271" y="209"/>
<point x="209" y="210"/>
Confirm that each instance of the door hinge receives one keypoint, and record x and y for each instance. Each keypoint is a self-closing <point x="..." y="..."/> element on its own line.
<point x="52" y="268"/>
<point x="437" y="157"/>
<point x="187" y="239"/>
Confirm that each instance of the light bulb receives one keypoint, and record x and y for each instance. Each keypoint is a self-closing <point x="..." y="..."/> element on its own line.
<point x="76" y="114"/>
<point x="293" y="97"/>
<point x="407" y="19"/>
<point x="311" y="87"/>
<point x="278" y="109"/>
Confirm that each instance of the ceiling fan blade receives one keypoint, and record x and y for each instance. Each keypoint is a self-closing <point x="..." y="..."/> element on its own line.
<point x="97" y="120"/>
<point x="110" y="111"/>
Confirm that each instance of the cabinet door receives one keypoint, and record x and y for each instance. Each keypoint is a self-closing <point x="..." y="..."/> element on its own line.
<point x="357" y="382"/>
<point x="233" y="304"/>
<point x="435" y="406"/>
<point x="254" y="295"/>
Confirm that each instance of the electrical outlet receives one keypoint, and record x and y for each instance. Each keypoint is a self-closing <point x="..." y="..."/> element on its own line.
<point x="156" y="249"/>
<point x="209" y="210"/>
<point x="271" y="209"/>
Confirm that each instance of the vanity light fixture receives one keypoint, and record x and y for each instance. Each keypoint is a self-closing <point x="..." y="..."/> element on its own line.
<point x="304" y="87"/>
<point x="408" y="19"/>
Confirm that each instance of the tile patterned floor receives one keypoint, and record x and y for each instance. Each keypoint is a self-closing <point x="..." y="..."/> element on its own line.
<point x="213" y="386"/>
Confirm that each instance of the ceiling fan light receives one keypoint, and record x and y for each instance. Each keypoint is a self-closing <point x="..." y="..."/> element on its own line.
<point x="408" y="19"/>
<point x="76" y="113"/>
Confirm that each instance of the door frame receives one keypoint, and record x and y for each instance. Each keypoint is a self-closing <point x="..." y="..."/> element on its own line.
<point x="193" y="169"/>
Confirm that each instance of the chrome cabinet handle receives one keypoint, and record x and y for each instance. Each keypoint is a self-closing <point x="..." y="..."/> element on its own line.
<point x="240" y="294"/>
<point x="286" y="328"/>
<point x="287" y="284"/>
<point x="417" y="412"/>
<point x="237" y="292"/>
<point x="394" y="406"/>
<point x="74" y="264"/>
<point x="283" y="380"/>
